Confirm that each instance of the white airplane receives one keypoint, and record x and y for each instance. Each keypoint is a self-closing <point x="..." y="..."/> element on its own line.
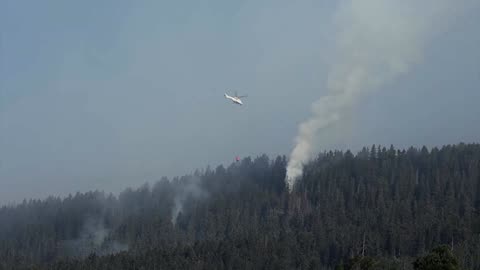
<point x="235" y="99"/>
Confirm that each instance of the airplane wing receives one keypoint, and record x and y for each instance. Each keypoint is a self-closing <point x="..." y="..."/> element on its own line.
<point x="242" y="96"/>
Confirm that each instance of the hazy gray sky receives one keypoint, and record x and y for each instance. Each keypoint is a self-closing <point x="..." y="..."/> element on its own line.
<point x="105" y="95"/>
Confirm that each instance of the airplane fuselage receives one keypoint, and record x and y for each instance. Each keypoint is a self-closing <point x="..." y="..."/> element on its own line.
<point x="235" y="100"/>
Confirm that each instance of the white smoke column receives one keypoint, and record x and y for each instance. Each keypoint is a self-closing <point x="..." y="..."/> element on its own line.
<point x="376" y="41"/>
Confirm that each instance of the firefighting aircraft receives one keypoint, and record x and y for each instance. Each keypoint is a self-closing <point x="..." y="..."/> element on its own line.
<point x="235" y="99"/>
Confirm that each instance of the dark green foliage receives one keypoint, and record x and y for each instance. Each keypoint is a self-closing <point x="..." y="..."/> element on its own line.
<point x="441" y="258"/>
<point x="378" y="209"/>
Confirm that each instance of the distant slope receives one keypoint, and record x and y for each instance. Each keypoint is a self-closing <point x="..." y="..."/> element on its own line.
<point x="391" y="205"/>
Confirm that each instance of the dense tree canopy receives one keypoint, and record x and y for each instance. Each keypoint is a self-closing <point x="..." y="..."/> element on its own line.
<point x="441" y="258"/>
<point x="378" y="209"/>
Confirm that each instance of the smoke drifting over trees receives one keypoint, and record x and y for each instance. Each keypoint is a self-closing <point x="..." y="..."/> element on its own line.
<point x="94" y="238"/>
<point x="189" y="188"/>
<point x="382" y="207"/>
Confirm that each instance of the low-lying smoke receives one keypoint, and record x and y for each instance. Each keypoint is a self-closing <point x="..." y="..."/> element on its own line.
<point x="376" y="41"/>
<point x="190" y="189"/>
<point x="94" y="238"/>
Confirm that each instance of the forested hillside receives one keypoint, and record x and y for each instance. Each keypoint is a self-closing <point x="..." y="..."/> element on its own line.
<point x="387" y="205"/>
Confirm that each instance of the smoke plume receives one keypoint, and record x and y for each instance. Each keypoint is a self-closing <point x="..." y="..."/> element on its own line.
<point x="189" y="189"/>
<point x="376" y="41"/>
<point x="93" y="238"/>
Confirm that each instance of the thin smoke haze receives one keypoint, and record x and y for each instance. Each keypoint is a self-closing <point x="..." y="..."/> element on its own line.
<point x="94" y="238"/>
<point x="376" y="41"/>
<point x="190" y="189"/>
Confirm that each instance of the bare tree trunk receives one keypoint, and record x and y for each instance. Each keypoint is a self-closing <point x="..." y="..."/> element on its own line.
<point x="363" y="245"/>
<point x="452" y="243"/>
